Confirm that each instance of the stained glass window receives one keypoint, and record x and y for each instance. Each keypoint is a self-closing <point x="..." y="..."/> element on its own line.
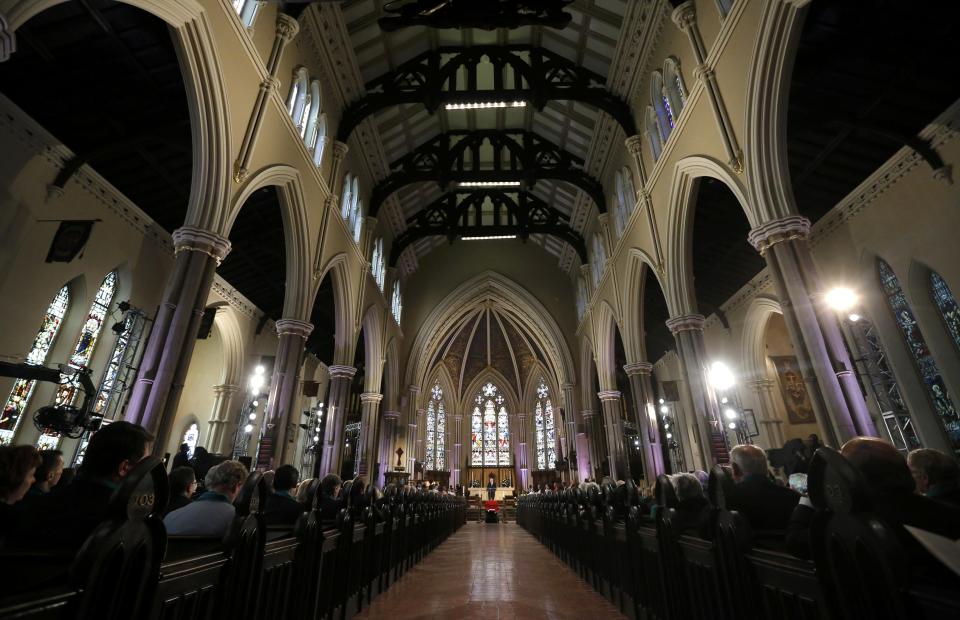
<point x="545" y="428"/>
<point x="377" y="263"/>
<point x="947" y="304"/>
<point x="190" y="437"/>
<point x="247" y="10"/>
<point x="436" y="426"/>
<point x="396" y="302"/>
<point x="83" y="350"/>
<point x="937" y="391"/>
<point x="489" y="428"/>
<point x="23" y="389"/>
<point x="668" y="109"/>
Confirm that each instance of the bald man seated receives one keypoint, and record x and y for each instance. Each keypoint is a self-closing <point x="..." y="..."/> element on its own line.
<point x="765" y="504"/>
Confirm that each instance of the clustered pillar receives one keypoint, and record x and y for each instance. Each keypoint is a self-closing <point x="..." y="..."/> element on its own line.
<point x="824" y="361"/>
<point x="456" y="458"/>
<point x="410" y="441"/>
<point x="645" y="415"/>
<point x="524" y="470"/>
<point x="388" y="435"/>
<point x="616" y="452"/>
<point x="340" y="380"/>
<point x="221" y="417"/>
<point x="364" y="461"/>
<point x="284" y="393"/>
<point x="163" y="369"/>
<point x="687" y="330"/>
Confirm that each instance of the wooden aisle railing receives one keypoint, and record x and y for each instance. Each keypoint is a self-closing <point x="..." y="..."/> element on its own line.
<point x="653" y="569"/>
<point x="314" y="570"/>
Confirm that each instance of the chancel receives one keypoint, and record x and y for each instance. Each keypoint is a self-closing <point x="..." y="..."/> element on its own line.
<point x="379" y="308"/>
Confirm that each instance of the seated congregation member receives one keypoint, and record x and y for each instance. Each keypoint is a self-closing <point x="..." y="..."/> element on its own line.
<point x="213" y="512"/>
<point x="183" y="483"/>
<point x="282" y="507"/>
<point x="798" y="528"/>
<point x="936" y="475"/>
<point x="17" y="467"/>
<point x="330" y="503"/>
<point x="765" y="504"/>
<point x="48" y="473"/>
<point x="693" y="508"/>
<point x="891" y="488"/>
<point x="65" y="517"/>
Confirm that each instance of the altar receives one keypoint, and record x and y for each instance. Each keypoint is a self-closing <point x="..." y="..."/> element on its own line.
<point x="501" y="493"/>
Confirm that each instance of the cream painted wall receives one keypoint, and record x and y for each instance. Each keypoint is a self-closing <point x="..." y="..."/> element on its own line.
<point x="197" y="399"/>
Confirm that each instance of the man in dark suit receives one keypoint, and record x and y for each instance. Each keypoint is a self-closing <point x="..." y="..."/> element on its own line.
<point x="765" y="504"/>
<point x="491" y="489"/>
<point x="282" y="508"/>
<point x="330" y="503"/>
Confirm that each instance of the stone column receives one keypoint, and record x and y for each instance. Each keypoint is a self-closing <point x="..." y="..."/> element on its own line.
<point x="763" y="388"/>
<point x="367" y="442"/>
<point x="591" y="436"/>
<point x="522" y="451"/>
<point x="645" y="416"/>
<point x="821" y="352"/>
<point x="570" y="428"/>
<point x="616" y="451"/>
<point x="388" y="441"/>
<point x="335" y="182"/>
<point x="163" y="369"/>
<point x="340" y="379"/>
<point x="685" y="17"/>
<point x="455" y="461"/>
<point x="287" y="29"/>
<point x="284" y="393"/>
<point x="220" y="417"/>
<point x="410" y="441"/>
<point x="688" y="332"/>
<point x="420" y="448"/>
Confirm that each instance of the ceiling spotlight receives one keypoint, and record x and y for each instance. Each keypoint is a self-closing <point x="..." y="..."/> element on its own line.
<point x="661" y="401"/>
<point x="484" y="105"/>
<point x="488" y="184"/>
<point x="720" y="376"/>
<point x="488" y="237"/>
<point x="253" y="416"/>
<point x="724" y="400"/>
<point x="666" y="426"/>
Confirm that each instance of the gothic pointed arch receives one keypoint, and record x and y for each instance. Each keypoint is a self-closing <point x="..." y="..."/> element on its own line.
<point x="340" y="281"/>
<point x="639" y="264"/>
<point x="606" y="325"/>
<point x="231" y="336"/>
<point x="681" y="298"/>
<point x="374" y="336"/>
<point x="753" y="355"/>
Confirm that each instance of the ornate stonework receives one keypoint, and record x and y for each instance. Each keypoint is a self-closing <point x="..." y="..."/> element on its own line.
<point x="686" y="322"/>
<point x="192" y="239"/>
<point x="295" y="327"/>
<point x="765" y="236"/>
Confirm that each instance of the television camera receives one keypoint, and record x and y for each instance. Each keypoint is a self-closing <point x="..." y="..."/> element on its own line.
<point x="65" y="419"/>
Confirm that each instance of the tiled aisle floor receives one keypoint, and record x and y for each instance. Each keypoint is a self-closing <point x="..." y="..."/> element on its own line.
<point x="491" y="571"/>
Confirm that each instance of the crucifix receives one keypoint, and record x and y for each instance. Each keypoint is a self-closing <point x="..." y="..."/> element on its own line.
<point x="399" y="454"/>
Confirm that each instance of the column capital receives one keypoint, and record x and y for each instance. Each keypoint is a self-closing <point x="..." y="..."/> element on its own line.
<point x="606" y="395"/>
<point x="566" y="386"/>
<point x="346" y="372"/>
<point x="287" y="27"/>
<point x="768" y="234"/>
<point x="295" y="327"/>
<point x="634" y="144"/>
<point x="685" y="15"/>
<point x="193" y="239"/>
<point x="703" y="72"/>
<point x="586" y="414"/>
<point x="391" y="415"/>
<point x="414" y="389"/>
<point x="225" y="388"/>
<point x="270" y="83"/>
<point x="638" y="368"/>
<point x="371" y="397"/>
<point x="686" y="322"/>
<point x="339" y="150"/>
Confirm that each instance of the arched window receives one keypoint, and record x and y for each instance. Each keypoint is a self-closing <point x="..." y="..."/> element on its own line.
<point x="599" y="257"/>
<point x="321" y="140"/>
<point x="247" y="10"/>
<point x="436" y="431"/>
<point x="929" y="372"/>
<point x="190" y="437"/>
<point x="661" y="104"/>
<point x="724" y="7"/>
<point x="489" y="428"/>
<point x="312" y="114"/>
<point x="626" y="198"/>
<point x="581" y="297"/>
<point x="23" y="389"/>
<point x="298" y="104"/>
<point x="356" y="220"/>
<point x="545" y="428"/>
<point x="947" y="305"/>
<point x="653" y="133"/>
<point x="396" y="304"/>
<point x="83" y="350"/>
<point x="377" y="266"/>
<point x="674" y="88"/>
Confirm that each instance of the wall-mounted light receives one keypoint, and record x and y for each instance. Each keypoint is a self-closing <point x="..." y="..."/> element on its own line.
<point x="841" y="298"/>
<point x="720" y="376"/>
